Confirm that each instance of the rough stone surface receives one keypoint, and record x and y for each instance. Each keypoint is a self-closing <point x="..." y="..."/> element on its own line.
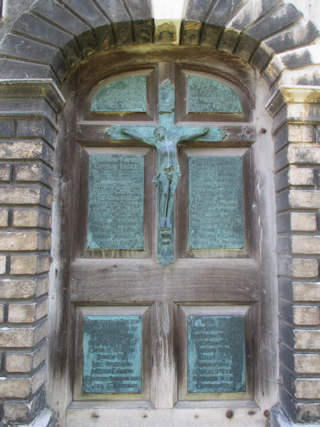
<point x="24" y="241"/>
<point x="16" y="150"/>
<point x="250" y="13"/>
<point x="306" y="315"/>
<point x="31" y="195"/>
<point x="29" y="264"/>
<point x="306" y="339"/>
<point x="22" y="337"/>
<point x="300" y="34"/>
<point x="197" y="9"/>
<point x="27" y="313"/>
<point x="23" y="288"/>
<point x="307" y="388"/>
<point x="301" y="221"/>
<point x="223" y="11"/>
<point x="28" y="217"/>
<point x="305" y="268"/>
<point x="3" y="260"/>
<point x="309" y="245"/>
<point x="307" y="363"/>
<point x="283" y="17"/>
<point x="308" y="413"/>
<point x="306" y="291"/>
<point x="25" y="362"/>
<point x="4" y="217"/>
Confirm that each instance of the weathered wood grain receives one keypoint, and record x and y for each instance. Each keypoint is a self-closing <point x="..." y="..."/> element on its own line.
<point x="143" y="280"/>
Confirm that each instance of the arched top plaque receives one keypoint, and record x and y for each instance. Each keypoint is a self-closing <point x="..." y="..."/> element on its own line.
<point x="125" y="95"/>
<point x="206" y="95"/>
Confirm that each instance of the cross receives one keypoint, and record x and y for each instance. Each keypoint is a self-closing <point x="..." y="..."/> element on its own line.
<point x="165" y="137"/>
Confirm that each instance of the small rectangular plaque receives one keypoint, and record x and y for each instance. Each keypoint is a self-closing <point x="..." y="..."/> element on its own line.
<point x="116" y="202"/>
<point x="216" y="354"/>
<point x="216" y="203"/>
<point x="112" y="354"/>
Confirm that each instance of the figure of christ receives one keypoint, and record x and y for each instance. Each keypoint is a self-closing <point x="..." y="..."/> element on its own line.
<point x="168" y="165"/>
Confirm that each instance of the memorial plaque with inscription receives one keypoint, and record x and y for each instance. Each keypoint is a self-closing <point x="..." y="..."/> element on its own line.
<point x="216" y="219"/>
<point x="126" y="95"/>
<point x="210" y="96"/>
<point x="116" y="202"/>
<point x="216" y="354"/>
<point x="112" y="354"/>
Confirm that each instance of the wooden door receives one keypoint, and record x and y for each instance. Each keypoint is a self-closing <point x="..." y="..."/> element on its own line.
<point x="166" y="294"/>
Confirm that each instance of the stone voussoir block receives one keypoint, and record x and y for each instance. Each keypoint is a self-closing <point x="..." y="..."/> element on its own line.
<point x="23" y="337"/>
<point x="300" y="34"/>
<point x="27" y="49"/>
<point x="284" y="16"/>
<point x="301" y="57"/>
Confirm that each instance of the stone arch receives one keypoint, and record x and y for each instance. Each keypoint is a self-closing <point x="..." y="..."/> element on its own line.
<point x="38" y="53"/>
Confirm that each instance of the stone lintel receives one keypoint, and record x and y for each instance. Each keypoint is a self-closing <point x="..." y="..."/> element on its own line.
<point x="33" y="88"/>
<point x="293" y="95"/>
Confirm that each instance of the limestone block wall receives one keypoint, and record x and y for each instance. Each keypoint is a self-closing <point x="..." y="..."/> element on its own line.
<point x="296" y="113"/>
<point x="26" y="171"/>
<point x="40" y="46"/>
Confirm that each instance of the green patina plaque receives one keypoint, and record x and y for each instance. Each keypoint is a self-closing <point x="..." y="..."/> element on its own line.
<point x="116" y="202"/>
<point x="210" y="96"/>
<point x="216" y="354"/>
<point x="216" y="218"/>
<point x="127" y="95"/>
<point x="112" y="354"/>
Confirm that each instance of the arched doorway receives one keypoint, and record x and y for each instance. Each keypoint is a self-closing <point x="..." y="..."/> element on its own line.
<point x="36" y="60"/>
<point x="206" y="284"/>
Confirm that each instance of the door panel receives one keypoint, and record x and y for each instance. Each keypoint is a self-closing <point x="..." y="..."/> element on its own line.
<point x="188" y="325"/>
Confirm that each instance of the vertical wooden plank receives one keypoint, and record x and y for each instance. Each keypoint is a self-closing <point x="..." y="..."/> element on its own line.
<point x="163" y="369"/>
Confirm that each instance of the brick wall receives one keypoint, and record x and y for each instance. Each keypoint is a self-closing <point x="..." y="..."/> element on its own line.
<point x="26" y="162"/>
<point x="296" y="113"/>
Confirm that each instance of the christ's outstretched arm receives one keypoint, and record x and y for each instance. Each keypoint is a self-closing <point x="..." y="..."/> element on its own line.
<point x="193" y="135"/>
<point x="134" y="134"/>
